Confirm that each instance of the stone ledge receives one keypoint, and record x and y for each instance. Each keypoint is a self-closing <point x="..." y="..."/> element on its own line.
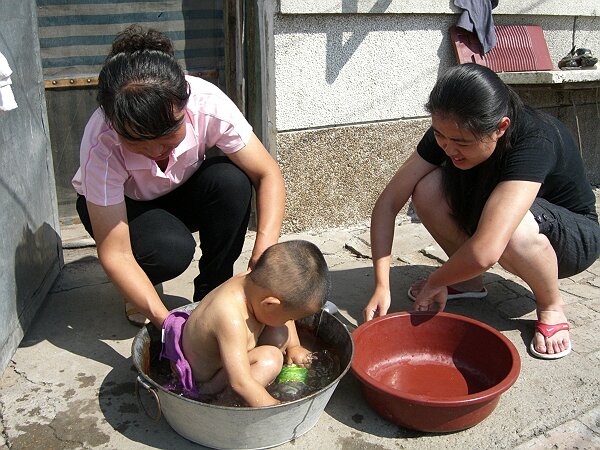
<point x="551" y="76"/>
<point x="505" y="7"/>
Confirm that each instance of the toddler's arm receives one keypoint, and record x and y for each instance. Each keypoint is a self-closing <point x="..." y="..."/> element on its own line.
<point x="295" y="352"/>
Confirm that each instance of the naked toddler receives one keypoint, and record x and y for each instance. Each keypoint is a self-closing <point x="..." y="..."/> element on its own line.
<point x="237" y="336"/>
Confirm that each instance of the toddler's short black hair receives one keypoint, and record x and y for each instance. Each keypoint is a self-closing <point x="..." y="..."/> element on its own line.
<point x="295" y="272"/>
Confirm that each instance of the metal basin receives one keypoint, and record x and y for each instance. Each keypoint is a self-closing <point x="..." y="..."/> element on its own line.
<point x="227" y="427"/>
<point x="436" y="372"/>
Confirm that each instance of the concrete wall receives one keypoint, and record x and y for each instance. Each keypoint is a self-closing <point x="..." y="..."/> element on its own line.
<point x="578" y="106"/>
<point x="369" y="66"/>
<point x="30" y="247"/>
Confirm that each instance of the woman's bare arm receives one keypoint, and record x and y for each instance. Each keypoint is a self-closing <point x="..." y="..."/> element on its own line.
<point x="266" y="178"/>
<point x="502" y="214"/>
<point x="383" y="218"/>
<point x="111" y="233"/>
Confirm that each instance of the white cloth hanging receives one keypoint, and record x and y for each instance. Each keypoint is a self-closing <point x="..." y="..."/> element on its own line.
<point x="7" y="98"/>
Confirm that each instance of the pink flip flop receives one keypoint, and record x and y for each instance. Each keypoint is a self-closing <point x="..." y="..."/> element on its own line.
<point x="549" y="331"/>
<point x="454" y="294"/>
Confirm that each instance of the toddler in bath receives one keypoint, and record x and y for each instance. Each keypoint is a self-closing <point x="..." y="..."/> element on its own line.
<point x="237" y="336"/>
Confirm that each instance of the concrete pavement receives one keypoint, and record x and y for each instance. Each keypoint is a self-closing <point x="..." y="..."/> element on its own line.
<point x="70" y="384"/>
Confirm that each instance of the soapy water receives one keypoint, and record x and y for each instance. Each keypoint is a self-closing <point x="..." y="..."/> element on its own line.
<point x="323" y="370"/>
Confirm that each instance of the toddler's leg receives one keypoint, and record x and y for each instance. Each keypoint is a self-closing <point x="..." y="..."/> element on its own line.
<point x="275" y="336"/>
<point x="215" y="385"/>
<point x="266" y="362"/>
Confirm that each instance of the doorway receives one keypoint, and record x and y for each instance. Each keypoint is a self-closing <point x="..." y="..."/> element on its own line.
<point x="75" y="37"/>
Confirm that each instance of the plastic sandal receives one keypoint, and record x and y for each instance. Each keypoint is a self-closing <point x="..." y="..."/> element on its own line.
<point x="549" y="331"/>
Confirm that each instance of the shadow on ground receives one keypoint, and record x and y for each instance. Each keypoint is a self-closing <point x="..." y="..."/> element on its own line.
<point x="90" y="322"/>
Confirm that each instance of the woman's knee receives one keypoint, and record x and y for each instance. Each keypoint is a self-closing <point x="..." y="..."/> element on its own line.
<point x="226" y="178"/>
<point x="526" y="243"/>
<point x="162" y="245"/>
<point x="428" y="194"/>
<point x="84" y="216"/>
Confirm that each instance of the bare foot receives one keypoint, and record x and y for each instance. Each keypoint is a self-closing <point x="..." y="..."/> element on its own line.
<point x="557" y="343"/>
<point x="134" y="316"/>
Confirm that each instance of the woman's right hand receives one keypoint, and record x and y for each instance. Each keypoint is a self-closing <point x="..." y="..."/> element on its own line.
<point x="378" y="304"/>
<point x="113" y="243"/>
<point x="383" y="221"/>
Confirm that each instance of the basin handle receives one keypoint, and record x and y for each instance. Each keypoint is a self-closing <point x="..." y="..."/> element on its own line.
<point x="140" y="381"/>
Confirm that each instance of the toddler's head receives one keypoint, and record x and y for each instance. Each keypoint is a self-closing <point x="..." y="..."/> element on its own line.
<point x="296" y="273"/>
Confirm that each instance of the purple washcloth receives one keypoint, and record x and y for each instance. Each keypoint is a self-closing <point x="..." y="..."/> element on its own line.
<point x="171" y="349"/>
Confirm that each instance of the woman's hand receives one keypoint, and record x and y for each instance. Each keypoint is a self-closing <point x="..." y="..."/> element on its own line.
<point x="378" y="304"/>
<point x="383" y="221"/>
<point x="428" y="297"/>
<point x="259" y="247"/>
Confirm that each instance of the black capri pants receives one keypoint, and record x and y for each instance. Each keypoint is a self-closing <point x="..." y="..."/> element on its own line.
<point x="215" y="201"/>
<point x="574" y="237"/>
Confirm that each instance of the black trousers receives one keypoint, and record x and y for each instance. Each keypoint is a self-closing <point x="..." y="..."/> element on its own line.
<point x="215" y="201"/>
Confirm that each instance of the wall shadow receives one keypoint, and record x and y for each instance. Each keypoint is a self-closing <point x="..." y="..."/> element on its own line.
<point x="36" y="265"/>
<point x="340" y="50"/>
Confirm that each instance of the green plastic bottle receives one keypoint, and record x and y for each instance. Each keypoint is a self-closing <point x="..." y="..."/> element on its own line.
<point x="292" y="372"/>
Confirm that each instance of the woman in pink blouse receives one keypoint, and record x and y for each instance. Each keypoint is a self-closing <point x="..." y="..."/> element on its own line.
<point x="145" y="186"/>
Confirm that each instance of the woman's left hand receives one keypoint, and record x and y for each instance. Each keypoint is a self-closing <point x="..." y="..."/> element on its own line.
<point x="428" y="297"/>
<point x="259" y="247"/>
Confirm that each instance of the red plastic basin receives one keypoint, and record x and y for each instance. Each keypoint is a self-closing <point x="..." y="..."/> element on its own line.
<point x="435" y="372"/>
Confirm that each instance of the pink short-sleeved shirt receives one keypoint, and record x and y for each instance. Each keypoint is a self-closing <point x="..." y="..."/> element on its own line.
<point x="108" y="173"/>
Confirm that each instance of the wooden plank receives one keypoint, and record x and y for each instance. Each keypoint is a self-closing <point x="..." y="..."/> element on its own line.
<point x="77" y="82"/>
<point x="70" y="82"/>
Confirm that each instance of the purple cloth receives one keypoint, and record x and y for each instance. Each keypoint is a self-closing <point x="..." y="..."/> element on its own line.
<point x="171" y="349"/>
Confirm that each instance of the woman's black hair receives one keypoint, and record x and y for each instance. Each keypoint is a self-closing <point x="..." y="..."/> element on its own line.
<point x="477" y="100"/>
<point x="142" y="89"/>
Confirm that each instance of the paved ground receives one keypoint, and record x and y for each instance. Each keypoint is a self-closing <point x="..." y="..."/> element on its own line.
<point x="70" y="385"/>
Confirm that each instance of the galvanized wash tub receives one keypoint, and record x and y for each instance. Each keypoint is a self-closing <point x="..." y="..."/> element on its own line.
<point x="225" y="427"/>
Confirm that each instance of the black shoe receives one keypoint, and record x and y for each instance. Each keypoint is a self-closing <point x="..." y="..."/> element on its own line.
<point x="578" y="58"/>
